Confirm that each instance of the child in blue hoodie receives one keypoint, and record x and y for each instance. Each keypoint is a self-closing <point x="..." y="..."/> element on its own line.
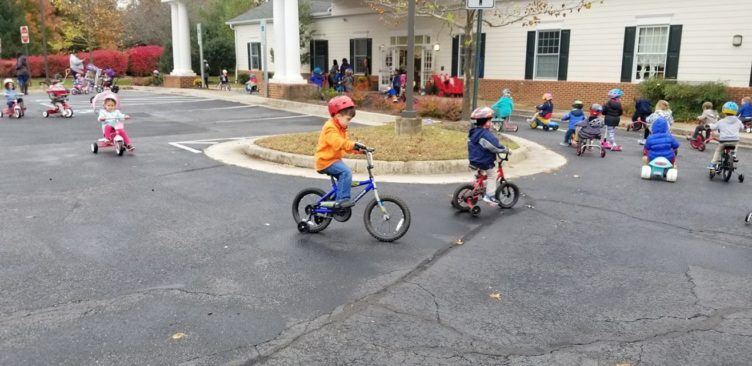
<point x="660" y="143"/>
<point x="574" y="117"/>
<point x="745" y="113"/>
<point x="482" y="148"/>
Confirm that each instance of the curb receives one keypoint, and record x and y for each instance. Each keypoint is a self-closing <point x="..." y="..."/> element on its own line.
<point x="426" y="167"/>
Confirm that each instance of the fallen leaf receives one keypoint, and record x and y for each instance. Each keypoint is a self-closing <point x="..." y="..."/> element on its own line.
<point x="495" y="296"/>
<point x="178" y="336"/>
<point x="459" y="242"/>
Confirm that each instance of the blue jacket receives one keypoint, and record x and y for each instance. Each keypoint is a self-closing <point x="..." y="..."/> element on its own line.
<point x="545" y="109"/>
<point x="503" y="107"/>
<point x="745" y="110"/>
<point x="574" y="116"/>
<point x="661" y="142"/>
<point x="478" y="155"/>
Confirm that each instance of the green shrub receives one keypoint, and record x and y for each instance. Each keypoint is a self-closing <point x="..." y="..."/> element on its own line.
<point x="328" y="93"/>
<point x="686" y="99"/>
<point x="243" y="78"/>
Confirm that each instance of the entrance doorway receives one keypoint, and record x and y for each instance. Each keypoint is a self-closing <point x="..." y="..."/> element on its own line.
<point x="394" y="58"/>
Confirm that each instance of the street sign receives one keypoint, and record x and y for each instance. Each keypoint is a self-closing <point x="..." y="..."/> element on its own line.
<point x="480" y="4"/>
<point x="24" y="34"/>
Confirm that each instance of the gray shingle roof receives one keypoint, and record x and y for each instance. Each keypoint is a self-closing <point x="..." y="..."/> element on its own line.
<point x="265" y="11"/>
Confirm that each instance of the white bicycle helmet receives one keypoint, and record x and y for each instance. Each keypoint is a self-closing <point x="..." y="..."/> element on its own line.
<point x="8" y="80"/>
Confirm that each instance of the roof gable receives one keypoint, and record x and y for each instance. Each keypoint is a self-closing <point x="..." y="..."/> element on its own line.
<point x="265" y="11"/>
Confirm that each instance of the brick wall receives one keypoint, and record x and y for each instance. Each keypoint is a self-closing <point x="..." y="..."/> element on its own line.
<point x="178" y="81"/>
<point x="565" y="92"/>
<point x="291" y="91"/>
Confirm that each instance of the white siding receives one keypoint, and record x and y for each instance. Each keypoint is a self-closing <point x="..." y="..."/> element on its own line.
<point x="252" y="33"/>
<point x="597" y="37"/>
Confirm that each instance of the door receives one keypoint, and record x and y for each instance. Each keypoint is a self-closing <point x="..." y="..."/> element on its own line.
<point x="320" y="55"/>
<point x="387" y="67"/>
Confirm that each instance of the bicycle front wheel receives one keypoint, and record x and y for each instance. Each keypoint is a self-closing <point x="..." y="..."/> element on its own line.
<point x="507" y="193"/>
<point x="389" y="224"/>
<point x="303" y="205"/>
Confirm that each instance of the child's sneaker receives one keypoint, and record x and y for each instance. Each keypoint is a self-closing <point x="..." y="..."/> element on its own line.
<point x="130" y="147"/>
<point x="491" y="200"/>
<point x="606" y="145"/>
<point x="641" y="142"/>
<point x="711" y="166"/>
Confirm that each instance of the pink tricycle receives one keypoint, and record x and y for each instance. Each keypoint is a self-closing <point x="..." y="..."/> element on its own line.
<point x="115" y="139"/>
<point x="59" y="98"/>
<point x="14" y="111"/>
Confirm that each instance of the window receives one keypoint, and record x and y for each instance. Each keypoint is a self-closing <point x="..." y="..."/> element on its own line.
<point x="459" y="45"/>
<point x="254" y="55"/>
<point x="650" y="52"/>
<point x="360" y="52"/>
<point x="547" y="54"/>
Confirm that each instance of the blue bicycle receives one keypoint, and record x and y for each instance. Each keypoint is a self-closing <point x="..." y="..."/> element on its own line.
<point x="313" y="209"/>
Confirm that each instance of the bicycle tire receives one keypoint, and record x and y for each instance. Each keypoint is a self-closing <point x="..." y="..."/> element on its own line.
<point x="321" y="223"/>
<point x="402" y="226"/>
<point x="510" y="192"/>
<point x="459" y="196"/>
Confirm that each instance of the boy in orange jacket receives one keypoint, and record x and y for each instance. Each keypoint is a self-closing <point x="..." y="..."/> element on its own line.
<point x="333" y="144"/>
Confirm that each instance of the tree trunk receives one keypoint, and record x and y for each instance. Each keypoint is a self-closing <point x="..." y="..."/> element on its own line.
<point x="468" y="69"/>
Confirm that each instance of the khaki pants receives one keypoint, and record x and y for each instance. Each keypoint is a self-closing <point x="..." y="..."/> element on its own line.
<point x="719" y="150"/>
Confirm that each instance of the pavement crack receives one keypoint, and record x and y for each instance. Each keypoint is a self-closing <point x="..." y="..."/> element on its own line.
<point x="433" y="296"/>
<point x="693" y="287"/>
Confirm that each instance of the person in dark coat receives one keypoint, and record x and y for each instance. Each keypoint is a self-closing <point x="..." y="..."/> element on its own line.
<point x="345" y="65"/>
<point x="612" y="111"/>
<point x="22" y="73"/>
<point x="661" y="143"/>
<point x="332" y="77"/>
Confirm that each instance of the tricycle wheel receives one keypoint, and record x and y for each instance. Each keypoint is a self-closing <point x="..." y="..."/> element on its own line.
<point x="603" y="153"/>
<point x="748" y="219"/>
<point x="94" y="148"/>
<point x="119" y="148"/>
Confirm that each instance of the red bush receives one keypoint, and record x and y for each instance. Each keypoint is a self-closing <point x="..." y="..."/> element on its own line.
<point x="7" y="68"/>
<point x="143" y="60"/>
<point x="56" y="63"/>
<point x="104" y="58"/>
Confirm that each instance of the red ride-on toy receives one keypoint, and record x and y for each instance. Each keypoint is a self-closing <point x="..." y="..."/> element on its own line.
<point x="636" y="125"/>
<point x="700" y="141"/>
<point x="466" y="196"/>
<point x="15" y="111"/>
<point x="59" y="98"/>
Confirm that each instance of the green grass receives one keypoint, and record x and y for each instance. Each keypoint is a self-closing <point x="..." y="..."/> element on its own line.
<point x="35" y="83"/>
<point x="433" y="143"/>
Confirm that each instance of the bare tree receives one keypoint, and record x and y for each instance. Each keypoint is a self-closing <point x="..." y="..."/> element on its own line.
<point x="453" y="13"/>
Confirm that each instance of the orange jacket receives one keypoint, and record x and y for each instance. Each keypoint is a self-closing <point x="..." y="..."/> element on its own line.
<point x="333" y="144"/>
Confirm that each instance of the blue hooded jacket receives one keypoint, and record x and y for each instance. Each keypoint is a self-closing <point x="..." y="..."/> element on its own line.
<point x="661" y="142"/>
<point x="574" y="117"/>
<point x="477" y="154"/>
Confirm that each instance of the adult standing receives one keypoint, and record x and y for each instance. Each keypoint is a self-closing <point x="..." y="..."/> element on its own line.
<point x="206" y="73"/>
<point x="366" y="67"/>
<point x="22" y="72"/>
<point x="333" y="74"/>
<point x="344" y="66"/>
<point x="76" y="66"/>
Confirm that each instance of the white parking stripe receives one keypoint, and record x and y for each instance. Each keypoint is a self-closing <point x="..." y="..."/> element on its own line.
<point x="180" y="146"/>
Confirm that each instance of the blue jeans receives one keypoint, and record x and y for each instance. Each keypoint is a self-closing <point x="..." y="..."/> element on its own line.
<point x="568" y="136"/>
<point x="343" y="174"/>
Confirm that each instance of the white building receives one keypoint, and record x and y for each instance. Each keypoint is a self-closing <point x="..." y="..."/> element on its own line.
<point x="617" y="42"/>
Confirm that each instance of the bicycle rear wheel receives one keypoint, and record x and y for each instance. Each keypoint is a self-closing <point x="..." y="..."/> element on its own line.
<point x="460" y="196"/>
<point x="302" y="206"/>
<point x="389" y="224"/>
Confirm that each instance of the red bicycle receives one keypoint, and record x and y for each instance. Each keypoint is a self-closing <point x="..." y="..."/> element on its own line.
<point x="699" y="142"/>
<point x="466" y="196"/>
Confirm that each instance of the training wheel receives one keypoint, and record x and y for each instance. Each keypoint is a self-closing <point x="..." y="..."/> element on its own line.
<point x="741" y="178"/>
<point x="45" y="114"/>
<point x="672" y="175"/>
<point x="475" y="211"/>
<point x="645" y="173"/>
<point x="748" y="219"/>
<point x="303" y="227"/>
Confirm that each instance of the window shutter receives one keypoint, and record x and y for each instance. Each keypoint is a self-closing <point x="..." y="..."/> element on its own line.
<point x="750" y="77"/>
<point x="530" y="55"/>
<point x="564" y="54"/>
<point x="369" y="54"/>
<point x="250" y="63"/>
<point x="311" y="53"/>
<point x="351" y="60"/>
<point x="627" y="58"/>
<point x="455" y="49"/>
<point x="672" y="54"/>
<point x="482" y="55"/>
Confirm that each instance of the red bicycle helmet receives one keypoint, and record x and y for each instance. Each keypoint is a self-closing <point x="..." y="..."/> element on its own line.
<point x="339" y="103"/>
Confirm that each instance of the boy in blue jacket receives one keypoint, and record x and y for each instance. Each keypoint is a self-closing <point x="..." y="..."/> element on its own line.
<point x="482" y="148"/>
<point x="574" y="117"/>
<point x="661" y="143"/>
<point x="745" y="113"/>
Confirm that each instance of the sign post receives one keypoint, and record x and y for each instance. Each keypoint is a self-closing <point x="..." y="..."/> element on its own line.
<point x="25" y="38"/>
<point x="479" y="6"/>
<point x="201" y="55"/>
<point x="263" y="57"/>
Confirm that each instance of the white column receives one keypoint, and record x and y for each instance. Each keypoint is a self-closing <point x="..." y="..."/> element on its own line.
<point x="175" y="38"/>
<point x="185" y="41"/>
<point x="280" y="54"/>
<point x="292" y="41"/>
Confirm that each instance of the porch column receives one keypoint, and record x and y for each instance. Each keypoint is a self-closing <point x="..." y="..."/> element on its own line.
<point x="292" y="39"/>
<point x="181" y="39"/>
<point x="280" y="51"/>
